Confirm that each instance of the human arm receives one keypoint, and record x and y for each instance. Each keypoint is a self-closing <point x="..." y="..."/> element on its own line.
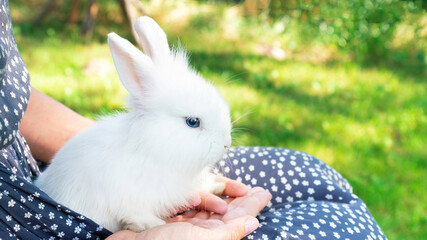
<point x="47" y="125"/>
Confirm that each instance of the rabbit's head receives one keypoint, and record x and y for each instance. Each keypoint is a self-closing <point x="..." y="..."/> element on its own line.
<point x="182" y="114"/>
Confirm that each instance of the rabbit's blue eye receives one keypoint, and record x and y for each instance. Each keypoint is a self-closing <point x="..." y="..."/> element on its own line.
<point x="193" y="122"/>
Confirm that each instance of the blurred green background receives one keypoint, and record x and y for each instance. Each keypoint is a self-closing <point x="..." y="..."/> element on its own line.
<point x="343" y="80"/>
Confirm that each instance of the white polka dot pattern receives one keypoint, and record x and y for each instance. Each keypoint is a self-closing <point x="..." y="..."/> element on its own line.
<point x="14" y="94"/>
<point x="14" y="81"/>
<point x="310" y="199"/>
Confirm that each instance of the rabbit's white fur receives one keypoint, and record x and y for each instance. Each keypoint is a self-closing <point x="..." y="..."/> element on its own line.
<point x="130" y="170"/>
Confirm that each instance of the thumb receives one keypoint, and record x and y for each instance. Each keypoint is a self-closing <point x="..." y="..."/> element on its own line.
<point x="237" y="228"/>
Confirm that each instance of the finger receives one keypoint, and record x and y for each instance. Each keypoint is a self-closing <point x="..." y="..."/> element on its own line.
<point x="212" y="203"/>
<point x="236" y="229"/>
<point x="191" y="203"/>
<point x="182" y="217"/>
<point x="202" y="215"/>
<point x="234" y="188"/>
<point x="251" y="204"/>
<point x="190" y="214"/>
<point x="178" y="218"/>
<point x="216" y="216"/>
<point x="195" y="201"/>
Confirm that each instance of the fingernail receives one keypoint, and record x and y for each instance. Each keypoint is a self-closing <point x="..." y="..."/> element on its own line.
<point x="195" y="201"/>
<point x="251" y="225"/>
<point x="257" y="189"/>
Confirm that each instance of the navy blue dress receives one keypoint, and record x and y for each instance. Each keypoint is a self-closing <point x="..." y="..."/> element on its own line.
<point x="310" y="199"/>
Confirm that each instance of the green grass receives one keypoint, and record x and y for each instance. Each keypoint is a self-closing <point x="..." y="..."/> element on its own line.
<point x="367" y="120"/>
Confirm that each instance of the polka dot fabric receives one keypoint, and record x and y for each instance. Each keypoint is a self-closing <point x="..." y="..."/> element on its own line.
<point x="14" y="81"/>
<point x="28" y="213"/>
<point x="14" y="95"/>
<point x="310" y="199"/>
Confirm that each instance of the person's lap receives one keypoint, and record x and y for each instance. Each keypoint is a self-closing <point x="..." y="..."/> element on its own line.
<point x="310" y="200"/>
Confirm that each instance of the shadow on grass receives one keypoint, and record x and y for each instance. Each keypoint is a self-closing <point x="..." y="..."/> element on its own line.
<point x="339" y="102"/>
<point x="363" y="105"/>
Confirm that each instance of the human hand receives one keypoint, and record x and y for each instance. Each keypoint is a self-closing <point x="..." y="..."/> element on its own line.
<point x="212" y="203"/>
<point x="237" y="222"/>
<point x="249" y="205"/>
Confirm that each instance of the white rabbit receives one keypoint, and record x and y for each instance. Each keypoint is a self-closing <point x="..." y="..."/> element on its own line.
<point x="130" y="170"/>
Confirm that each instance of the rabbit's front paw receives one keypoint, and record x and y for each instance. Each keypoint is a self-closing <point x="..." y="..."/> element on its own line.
<point x="212" y="183"/>
<point x="139" y="223"/>
<point x="217" y="185"/>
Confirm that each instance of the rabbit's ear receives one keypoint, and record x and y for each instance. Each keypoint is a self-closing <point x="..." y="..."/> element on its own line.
<point x="153" y="39"/>
<point x="134" y="67"/>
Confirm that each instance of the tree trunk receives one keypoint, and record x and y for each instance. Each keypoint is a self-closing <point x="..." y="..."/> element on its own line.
<point x="87" y="26"/>
<point x="74" y="15"/>
<point x="46" y="8"/>
<point x="131" y="14"/>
